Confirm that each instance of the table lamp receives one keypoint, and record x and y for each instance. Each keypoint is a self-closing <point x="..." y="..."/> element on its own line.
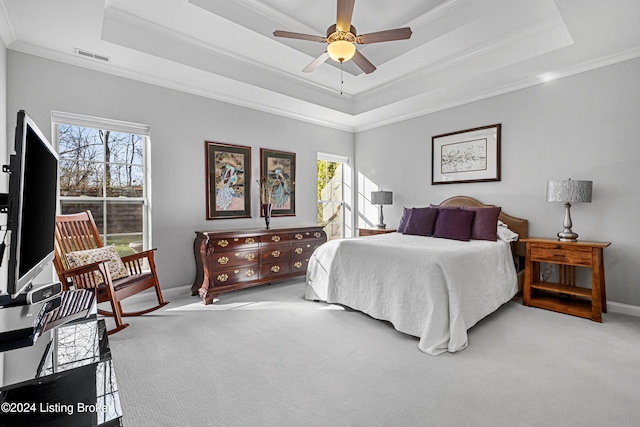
<point x="381" y="198"/>
<point x="569" y="191"/>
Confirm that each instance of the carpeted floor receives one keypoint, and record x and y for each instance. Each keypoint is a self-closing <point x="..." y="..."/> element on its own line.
<point x="266" y="357"/>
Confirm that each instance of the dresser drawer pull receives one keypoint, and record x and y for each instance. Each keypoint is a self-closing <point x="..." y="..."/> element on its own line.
<point x="250" y="257"/>
<point x="298" y="250"/>
<point x="317" y="234"/>
<point x="223" y="260"/>
<point x="223" y="277"/>
<point x="275" y="268"/>
<point x="297" y="264"/>
<point x="249" y="240"/>
<point x="223" y="243"/>
<point x="275" y="254"/>
<point x="275" y="238"/>
<point x="298" y="236"/>
<point x="249" y="273"/>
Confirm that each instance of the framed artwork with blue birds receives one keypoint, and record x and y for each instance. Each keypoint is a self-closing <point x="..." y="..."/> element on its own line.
<point x="228" y="180"/>
<point x="278" y="170"/>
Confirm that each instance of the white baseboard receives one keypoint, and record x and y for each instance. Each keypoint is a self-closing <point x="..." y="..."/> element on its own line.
<point x="618" y="307"/>
<point x="149" y="295"/>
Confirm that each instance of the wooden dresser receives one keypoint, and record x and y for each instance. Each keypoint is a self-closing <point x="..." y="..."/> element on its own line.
<point x="233" y="259"/>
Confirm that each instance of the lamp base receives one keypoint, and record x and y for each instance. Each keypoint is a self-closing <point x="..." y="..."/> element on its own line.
<point x="567" y="236"/>
<point x="381" y="223"/>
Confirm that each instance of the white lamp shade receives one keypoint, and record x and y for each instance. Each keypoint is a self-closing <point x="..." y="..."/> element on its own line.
<point x="381" y="198"/>
<point x="569" y="191"/>
<point x="341" y="50"/>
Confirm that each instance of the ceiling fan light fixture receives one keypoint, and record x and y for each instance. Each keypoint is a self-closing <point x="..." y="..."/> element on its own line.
<point x="341" y="50"/>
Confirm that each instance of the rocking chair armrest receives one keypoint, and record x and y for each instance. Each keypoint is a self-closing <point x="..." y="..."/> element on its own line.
<point x="139" y="255"/>
<point x="84" y="275"/>
<point x="83" y="269"/>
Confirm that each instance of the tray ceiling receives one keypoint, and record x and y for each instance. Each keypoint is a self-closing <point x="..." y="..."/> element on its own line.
<point x="460" y="50"/>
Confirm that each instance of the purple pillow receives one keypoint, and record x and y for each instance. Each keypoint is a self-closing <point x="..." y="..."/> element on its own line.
<point x="406" y="212"/>
<point x="485" y="223"/>
<point x="454" y="224"/>
<point x="421" y="221"/>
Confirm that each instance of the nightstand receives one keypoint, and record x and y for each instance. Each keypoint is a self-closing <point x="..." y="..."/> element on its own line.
<point x="565" y="296"/>
<point x="374" y="231"/>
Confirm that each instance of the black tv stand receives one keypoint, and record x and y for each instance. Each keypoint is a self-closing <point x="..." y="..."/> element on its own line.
<point x="67" y="377"/>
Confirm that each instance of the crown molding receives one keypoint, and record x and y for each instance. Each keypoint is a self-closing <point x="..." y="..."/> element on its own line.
<point x="7" y="34"/>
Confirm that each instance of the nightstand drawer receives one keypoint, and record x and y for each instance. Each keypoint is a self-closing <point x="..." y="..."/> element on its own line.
<point x="556" y="253"/>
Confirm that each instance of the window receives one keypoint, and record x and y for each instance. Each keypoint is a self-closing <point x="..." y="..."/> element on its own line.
<point x="103" y="169"/>
<point x="334" y="194"/>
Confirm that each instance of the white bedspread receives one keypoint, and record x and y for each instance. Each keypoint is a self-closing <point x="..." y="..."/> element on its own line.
<point x="434" y="289"/>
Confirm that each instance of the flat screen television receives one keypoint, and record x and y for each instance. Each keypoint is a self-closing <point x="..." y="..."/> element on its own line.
<point x="31" y="206"/>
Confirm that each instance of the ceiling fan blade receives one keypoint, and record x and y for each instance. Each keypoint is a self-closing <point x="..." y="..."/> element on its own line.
<point x="299" y="36"/>
<point x="385" y="36"/>
<point x="316" y="63"/>
<point x="345" y="12"/>
<point x="363" y="63"/>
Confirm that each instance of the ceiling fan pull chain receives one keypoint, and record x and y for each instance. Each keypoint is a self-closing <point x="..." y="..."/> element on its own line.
<point x="341" y="77"/>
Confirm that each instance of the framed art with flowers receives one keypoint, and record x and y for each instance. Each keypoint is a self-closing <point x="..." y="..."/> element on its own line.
<point x="277" y="181"/>
<point x="228" y="180"/>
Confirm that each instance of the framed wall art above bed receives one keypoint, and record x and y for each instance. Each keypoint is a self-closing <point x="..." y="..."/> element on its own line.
<point x="278" y="169"/>
<point x="228" y="170"/>
<point x="471" y="155"/>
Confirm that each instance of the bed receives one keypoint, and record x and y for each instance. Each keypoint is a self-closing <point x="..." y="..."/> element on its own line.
<point x="429" y="287"/>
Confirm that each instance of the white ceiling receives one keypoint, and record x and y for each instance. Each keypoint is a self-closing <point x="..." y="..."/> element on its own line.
<point x="460" y="50"/>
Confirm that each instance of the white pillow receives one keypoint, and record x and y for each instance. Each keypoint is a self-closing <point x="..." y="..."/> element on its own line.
<point x="107" y="253"/>
<point x="505" y="234"/>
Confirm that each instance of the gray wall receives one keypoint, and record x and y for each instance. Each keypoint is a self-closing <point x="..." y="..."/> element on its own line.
<point x="180" y="123"/>
<point x="591" y="118"/>
<point x="580" y="127"/>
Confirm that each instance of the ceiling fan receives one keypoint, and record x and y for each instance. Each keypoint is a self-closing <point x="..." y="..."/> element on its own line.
<point x="342" y="37"/>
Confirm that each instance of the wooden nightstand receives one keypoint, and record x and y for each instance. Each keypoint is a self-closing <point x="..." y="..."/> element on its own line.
<point x="565" y="296"/>
<point x="374" y="231"/>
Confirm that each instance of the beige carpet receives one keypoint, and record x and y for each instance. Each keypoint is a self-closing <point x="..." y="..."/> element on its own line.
<point x="266" y="357"/>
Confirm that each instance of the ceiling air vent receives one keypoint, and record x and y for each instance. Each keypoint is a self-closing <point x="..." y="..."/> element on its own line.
<point x="92" y="55"/>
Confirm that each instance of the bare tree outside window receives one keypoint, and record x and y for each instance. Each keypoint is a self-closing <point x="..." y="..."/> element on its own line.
<point x="102" y="170"/>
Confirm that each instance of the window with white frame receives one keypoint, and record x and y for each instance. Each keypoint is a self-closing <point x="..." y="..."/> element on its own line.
<point x="103" y="168"/>
<point x="334" y="195"/>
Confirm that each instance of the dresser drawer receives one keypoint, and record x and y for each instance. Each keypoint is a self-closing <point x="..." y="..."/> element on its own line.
<point x="274" y="269"/>
<point x="275" y="253"/>
<point x="233" y="276"/>
<point x="576" y="255"/>
<point x="233" y="243"/>
<point x="304" y="248"/>
<point x="304" y="236"/>
<point x="232" y="259"/>
<point x="299" y="265"/>
<point x="275" y="238"/>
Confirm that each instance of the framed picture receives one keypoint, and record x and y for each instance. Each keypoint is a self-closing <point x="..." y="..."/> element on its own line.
<point x="471" y="155"/>
<point x="278" y="174"/>
<point x="228" y="180"/>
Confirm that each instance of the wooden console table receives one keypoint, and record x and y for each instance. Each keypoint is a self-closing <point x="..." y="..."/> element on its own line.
<point x="565" y="296"/>
<point x="233" y="259"/>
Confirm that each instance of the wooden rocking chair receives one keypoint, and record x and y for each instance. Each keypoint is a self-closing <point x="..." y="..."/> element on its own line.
<point x="78" y="232"/>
